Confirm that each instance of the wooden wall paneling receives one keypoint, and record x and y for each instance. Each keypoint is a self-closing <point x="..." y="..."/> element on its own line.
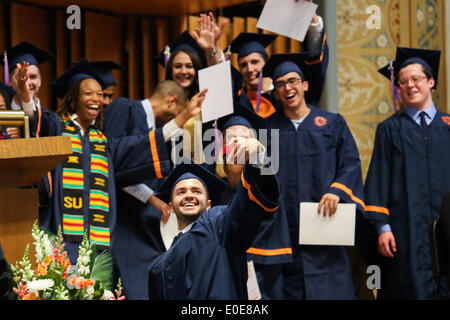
<point x="280" y="44"/>
<point x="270" y="48"/>
<point x="192" y="23"/>
<point x="226" y="37"/>
<point x="179" y="25"/>
<point x="237" y="27"/>
<point x="133" y="63"/>
<point x="3" y="35"/>
<point x="103" y="41"/>
<point x="62" y="43"/>
<point x="39" y="33"/>
<point x="251" y="25"/>
<point x="77" y="42"/>
<point x="147" y="58"/>
<point x="162" y="40"/>
<point x="295" y="46"/>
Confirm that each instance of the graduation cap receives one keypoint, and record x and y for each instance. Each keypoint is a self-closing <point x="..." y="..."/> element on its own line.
<point x="77" y="72"/>
<point x="7" y="90"/>
<point x="104" y="70"/>
<point x="184" y="42"/>
<point x="28" y="52"/>
<point x="243" y="115"/>
<point x="282" y="63"/>
<point x="214" y="185"/>
<point x="430" y="59"/>
<point x="246" y="43"/>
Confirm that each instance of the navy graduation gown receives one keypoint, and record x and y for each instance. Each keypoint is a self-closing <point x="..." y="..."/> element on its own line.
<point x="208" y="262"/>
<point x="125" y="117"/>
<point x="138" y="224"/>
<point x="130" y="161"/>
<point x="5" y="278"/>
<point x="314" y="72"/>
<point x="405" y="184"/>
<point x="319" y="157"/>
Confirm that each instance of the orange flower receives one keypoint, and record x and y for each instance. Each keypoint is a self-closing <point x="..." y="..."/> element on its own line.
<point x="21" y="291"/>
<point x="31" y="296"/>
<point x="41" y="269"/>
<point x="84" y="283"/>
<point x="73" y="281"/>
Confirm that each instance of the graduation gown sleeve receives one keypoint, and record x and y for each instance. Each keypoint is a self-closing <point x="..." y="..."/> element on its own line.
<point x="316" y="70"/>
<point x="378" y="180"/>
<point x="5" y="278"/>
<point x="137" y="158"/>
<point x="347" y="183"/>
<point x="256" y="199"/>
<point x="124" y="117"/>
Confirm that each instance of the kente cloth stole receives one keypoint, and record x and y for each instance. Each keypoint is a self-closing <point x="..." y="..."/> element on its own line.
<point x="74" y="188"/>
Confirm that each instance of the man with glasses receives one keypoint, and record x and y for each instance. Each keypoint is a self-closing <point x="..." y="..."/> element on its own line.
<point x="408" y="176"/>
<point x="319" y="162"/>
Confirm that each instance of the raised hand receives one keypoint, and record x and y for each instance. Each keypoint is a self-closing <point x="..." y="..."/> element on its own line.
<point x="21" y="78"/>
<point x="204" y="34"/>
<point x="243" y="150"/>
<point x="218" y="30"/>
<point x="194" y="108"/>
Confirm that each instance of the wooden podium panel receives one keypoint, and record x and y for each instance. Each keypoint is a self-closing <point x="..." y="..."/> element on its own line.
<point x="15" y="225"/>
<point x="23" y="163"/>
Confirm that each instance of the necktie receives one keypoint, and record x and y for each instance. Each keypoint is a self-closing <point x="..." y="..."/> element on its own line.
<point x="423" y="123"/>
<point x="177" y="237"/>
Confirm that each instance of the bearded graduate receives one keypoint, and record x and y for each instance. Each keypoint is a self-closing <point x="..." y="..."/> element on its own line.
<point x="79" y="194"/>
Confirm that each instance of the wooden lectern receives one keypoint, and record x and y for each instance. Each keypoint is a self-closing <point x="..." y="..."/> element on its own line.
<point x="23" y="163"/>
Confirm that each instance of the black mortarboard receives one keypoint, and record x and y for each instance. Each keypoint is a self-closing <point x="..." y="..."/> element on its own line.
<point x="430" y="59"/>
<point x="78" y="71"/>
<point x="214" y="185"/>
<point x="280" y="64"/>
<point x="28" y="52"/>
<point x="104" y="70"/>
<point x="243" y="115"/>
<point x="184" y="42"/>
<point x="246" y="43"/>
<point x="7" y="90"/>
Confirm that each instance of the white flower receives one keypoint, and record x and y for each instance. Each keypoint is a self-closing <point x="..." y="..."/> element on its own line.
<point x="83" y="270"/>
<point x="39" y="285"/>
<point x="47" y="246"/>
<point x="89" y="293"/>
<point x="85" y="260"/>
<point x="107" y="295"/>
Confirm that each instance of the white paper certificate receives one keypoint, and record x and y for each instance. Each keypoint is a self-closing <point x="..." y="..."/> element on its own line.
<point x="338" y="230"/>
<point x="287" y="17"/>
<point x="219" y="98"/>
<point x="252" y="283"/>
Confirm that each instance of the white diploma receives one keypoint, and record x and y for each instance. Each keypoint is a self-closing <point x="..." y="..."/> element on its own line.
<point x="287" y="17"/>
<point x="219" y="98"/>
<point x="338" y="230"/>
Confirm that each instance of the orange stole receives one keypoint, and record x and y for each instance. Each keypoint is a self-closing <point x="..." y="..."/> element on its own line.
<point x="266" y="108"/>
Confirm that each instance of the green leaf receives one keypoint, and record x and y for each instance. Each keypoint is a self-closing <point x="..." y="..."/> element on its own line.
<point x="102" y="269"/>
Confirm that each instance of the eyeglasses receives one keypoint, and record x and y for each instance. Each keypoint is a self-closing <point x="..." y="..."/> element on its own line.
<point x="282" y="84"/>
<point x="415" y="80"/>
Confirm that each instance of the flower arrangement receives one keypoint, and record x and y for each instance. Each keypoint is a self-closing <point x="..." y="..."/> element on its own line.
<point x="54" y="278"/>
